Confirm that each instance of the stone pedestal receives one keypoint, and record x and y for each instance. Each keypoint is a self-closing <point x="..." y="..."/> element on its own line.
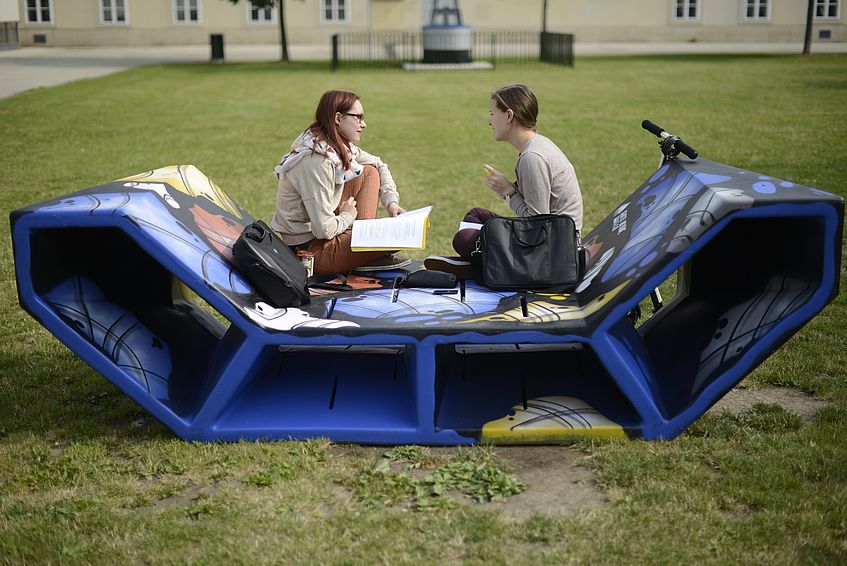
<point x="447" y="44"/>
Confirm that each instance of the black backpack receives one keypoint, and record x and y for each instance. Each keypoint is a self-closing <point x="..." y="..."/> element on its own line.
<point x="275" y="272"/>
<point x="271" y="267"/>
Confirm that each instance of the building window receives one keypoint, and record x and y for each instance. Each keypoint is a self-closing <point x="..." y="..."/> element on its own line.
<point x="39" y="11"/>
<point x="113" y="11"/>
<point x="826" y="9"/>
<point x="335" y="11"/>
<point x="757" y="10"/>
<point x="187" y="11"/>
<point x="685" y="10"/>
<point x="259" y="15"/>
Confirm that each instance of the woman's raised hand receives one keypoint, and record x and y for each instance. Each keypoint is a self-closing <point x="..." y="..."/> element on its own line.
<point x="349" y="206"/>
<point x="497" y="182"/>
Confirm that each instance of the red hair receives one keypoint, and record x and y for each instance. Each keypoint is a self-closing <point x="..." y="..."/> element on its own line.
<point x="324" y="126"/>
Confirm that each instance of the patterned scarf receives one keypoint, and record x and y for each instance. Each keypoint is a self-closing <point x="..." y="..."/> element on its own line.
<point x="307" y="142"/>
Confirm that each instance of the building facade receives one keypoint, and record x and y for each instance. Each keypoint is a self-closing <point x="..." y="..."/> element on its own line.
<point x="181" y="22"/>
<point x="9" y="21"/>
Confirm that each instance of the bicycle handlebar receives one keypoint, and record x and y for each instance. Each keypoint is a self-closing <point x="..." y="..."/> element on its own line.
<point x="673" y="143"/>
<point x="686" y="149"/>
<point x="652" y="128"/>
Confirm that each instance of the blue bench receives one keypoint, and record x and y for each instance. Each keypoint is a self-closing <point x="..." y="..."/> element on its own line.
<point x="135" y="276"/>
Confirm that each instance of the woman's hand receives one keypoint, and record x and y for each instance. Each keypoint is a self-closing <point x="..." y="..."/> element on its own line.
<point x="498" y="182"/>
<point x="394" y="209"/>
<point x="349" y="206"/>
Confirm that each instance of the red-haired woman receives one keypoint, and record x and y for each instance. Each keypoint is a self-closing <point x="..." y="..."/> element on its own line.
<point x="326" y="181"/>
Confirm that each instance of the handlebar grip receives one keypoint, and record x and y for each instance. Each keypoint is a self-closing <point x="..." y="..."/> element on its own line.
<point x="686" y="149"/>
<point x="652" y="128"/>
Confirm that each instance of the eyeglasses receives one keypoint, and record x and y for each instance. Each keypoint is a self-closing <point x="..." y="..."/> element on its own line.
<point x="359" y="117"/>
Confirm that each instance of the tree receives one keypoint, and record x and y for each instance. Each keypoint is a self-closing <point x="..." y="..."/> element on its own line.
<point x="807" y="43"/>
<point x="283" y="40"/>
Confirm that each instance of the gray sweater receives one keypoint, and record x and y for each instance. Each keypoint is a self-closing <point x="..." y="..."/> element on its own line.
<point x="546" y="182"/>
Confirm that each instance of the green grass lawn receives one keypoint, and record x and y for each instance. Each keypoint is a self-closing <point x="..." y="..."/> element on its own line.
<point x="85" y="477"/>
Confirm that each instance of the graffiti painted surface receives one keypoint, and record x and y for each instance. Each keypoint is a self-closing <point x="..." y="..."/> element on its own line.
<point x="137" y="277"/>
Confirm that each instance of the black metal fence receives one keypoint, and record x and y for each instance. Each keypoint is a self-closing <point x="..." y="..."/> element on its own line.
<point x="394" y="48"/>
<point x="9" y="34"/>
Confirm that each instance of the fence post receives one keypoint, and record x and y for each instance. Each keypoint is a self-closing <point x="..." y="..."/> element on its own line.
<point x="414" y="47"/>
<point x="544" y="47"/>
<point x="541" y="46"/>
<point x="335" y="52"/>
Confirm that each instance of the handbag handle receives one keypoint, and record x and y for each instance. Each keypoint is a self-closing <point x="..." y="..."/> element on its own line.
<point x="526" y="243"/>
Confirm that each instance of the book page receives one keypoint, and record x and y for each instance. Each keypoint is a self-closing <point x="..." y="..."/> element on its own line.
<point x="404" y="232"/>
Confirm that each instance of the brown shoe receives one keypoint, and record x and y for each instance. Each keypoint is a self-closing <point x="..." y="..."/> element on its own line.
<point x="456" y="265"/>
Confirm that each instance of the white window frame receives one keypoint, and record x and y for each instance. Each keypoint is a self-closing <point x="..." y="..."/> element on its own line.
<point x="113" y="5"/>
<point x="261" y="21"/>
<point x="757" y="5"/>
<point x="39" y="7"/>
<point x="826" y="4"/>
<point x="186" y="6"/>
<point x="686" y="10"/>
<point x="333" y="6"/>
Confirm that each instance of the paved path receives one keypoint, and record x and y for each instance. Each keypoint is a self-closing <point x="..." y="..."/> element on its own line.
<point x="34" y="67"/>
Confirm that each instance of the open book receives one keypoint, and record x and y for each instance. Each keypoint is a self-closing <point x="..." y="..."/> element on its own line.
<point x="404" y="232"/>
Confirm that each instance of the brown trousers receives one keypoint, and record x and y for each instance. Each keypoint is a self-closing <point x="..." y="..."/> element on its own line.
<point x="335" y="255"/>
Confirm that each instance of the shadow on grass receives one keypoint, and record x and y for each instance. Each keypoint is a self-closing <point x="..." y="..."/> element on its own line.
<point x="243" y="67"/>
<point x="61" y="398"/>
<point x="207" y="69"/>
<point x="701" y="57"/>
<point x="240" y="68"/>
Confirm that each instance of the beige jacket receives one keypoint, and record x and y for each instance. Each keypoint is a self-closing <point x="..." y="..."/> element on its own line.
<point x="308" y="196"/>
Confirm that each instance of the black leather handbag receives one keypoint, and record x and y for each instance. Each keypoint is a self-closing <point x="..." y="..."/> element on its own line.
<point x="532" y="252"/>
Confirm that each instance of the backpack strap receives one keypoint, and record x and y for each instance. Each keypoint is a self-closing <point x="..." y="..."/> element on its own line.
<point x="323" y="282"/>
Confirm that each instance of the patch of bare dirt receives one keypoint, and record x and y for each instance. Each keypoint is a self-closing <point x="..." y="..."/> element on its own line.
<point x="193" y="493"/>
<point x="790" y="399"/>
<point x="555" y="483"/>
